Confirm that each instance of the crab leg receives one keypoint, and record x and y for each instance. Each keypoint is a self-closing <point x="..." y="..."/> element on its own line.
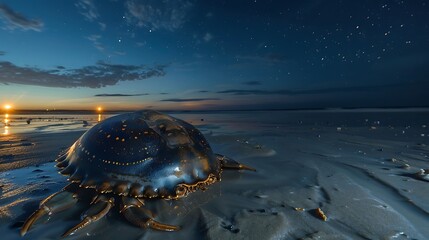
<point x="55" y="203"/>
<point x="99" y="208"/>
<point x="228" y="163"/>
<point x="135" y="213"/>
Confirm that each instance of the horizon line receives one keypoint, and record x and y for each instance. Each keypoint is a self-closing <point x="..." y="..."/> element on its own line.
<point x="215" y="110"/>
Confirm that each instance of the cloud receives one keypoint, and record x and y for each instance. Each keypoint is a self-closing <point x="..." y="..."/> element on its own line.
<point x="2" y="53"/>
<point x="269" y="58"/>
<point x="14" y="20"/>
<point x="254" y="92"/>
<point x="87" y="9"/>
<point x="120" y="95"/>
<point x="96" y="76"/>
<point x="302" y="92"/>
<point x="141" y="44"/>
<point x="252" y="83"/>
<point x="103" y="26"/>
<point x="158" y="15"/>
<point x="208" y="37"/>
<point x="188" y="99"/>
<point x="95" y="39"/>
<point x="119" y="53"/>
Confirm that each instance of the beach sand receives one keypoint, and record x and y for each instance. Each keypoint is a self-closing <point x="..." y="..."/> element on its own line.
<point x="357" y="167"/>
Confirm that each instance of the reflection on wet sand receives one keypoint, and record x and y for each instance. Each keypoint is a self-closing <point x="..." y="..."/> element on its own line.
<point x="6" y="122"/>
<point x="100" y="111"/>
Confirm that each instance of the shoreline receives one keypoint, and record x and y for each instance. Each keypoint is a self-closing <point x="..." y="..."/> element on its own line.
<point x="170" y="111"/>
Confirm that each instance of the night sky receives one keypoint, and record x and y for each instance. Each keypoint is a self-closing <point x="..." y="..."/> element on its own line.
<point x="208" y="55"/>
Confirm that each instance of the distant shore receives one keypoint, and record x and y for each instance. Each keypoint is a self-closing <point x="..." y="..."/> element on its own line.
<point x="351" y="109"/>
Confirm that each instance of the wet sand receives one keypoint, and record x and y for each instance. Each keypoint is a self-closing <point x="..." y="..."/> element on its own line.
<point x="359" y="168"/>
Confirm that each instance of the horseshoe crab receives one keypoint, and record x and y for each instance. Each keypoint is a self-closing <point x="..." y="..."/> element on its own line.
<point x="131" y="157"/>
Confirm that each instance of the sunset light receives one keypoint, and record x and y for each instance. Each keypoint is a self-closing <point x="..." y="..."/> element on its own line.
<point x="6" y="130"/>
<point x="6" y="120"/>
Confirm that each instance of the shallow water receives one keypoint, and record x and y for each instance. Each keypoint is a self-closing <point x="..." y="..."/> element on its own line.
<point x="358" y="167"/>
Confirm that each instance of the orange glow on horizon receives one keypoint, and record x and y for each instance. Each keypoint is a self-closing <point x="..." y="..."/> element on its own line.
<point x="7" y="107"/>
<point x="99" y="109"/>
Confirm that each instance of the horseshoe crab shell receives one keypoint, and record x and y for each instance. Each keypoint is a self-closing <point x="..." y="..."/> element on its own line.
<point x="141" y="154"/>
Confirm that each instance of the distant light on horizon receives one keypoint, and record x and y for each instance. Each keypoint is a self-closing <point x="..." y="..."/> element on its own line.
<point x="99" y="110"/>
<point x="7" y="107"/>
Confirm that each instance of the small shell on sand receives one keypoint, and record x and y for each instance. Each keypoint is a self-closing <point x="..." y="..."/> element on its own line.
<point x="299" y="209"/>
<point x="423" y="174"/>
<point x="405" y="166"/>
<point x="320" y="214"/>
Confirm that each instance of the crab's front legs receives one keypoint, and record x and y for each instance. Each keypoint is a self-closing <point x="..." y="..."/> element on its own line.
<point x="134" y="211"/>
<point x="99" y="208"/>
<point x="57" y="202"/>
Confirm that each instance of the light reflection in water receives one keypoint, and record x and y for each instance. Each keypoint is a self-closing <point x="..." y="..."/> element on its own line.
<point x="99" y="111"/>
<point x="6" y="124"/>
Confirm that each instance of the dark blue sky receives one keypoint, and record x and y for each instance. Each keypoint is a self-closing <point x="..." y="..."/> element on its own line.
<point x="187" y="54"/>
